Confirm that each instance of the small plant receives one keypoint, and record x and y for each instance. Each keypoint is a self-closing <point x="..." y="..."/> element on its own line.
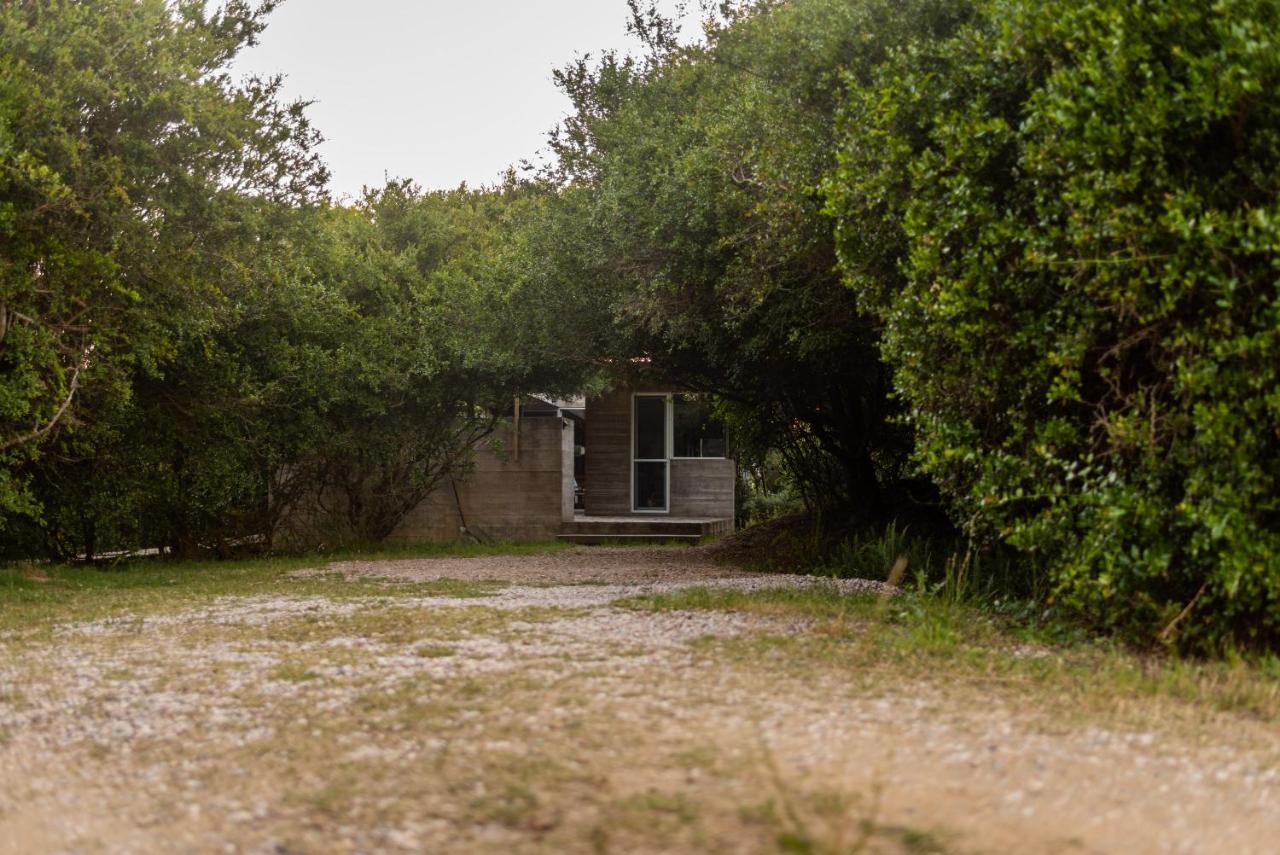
<point x="435" y="651"/>
<point x="293" y="672"/>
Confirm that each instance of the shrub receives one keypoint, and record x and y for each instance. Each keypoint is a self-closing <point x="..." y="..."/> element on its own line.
<point x="1066" y="218"/>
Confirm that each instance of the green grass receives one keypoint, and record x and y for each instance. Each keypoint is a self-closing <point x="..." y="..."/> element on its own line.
<point x="293" y="672"/>
<point x="928" y="636"/>
<point x="460" y="589"/>
<point x="655" y="806"/>
<point x="391" y="624"/>
<point x="35" y="596"/>
<point x="435" y="651"/>
<point x="817" y="602"/>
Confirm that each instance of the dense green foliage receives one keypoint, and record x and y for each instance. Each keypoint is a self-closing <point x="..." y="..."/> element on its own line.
<point x="129" y="163"/>
<point x="692" y="207"/>
<point x="1073" y="250"/>
<point x="1002" y="265"/>
<point x="198" y="351"/>
<point x="356" y="369"/>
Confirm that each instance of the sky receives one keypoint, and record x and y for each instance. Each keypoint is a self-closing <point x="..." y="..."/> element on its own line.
<point x="440" y="91"/>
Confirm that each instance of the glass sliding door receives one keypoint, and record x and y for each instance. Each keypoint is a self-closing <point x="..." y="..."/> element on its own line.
<point x="650" y="449"/>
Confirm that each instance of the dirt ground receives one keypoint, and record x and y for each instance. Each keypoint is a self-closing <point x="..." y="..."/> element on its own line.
<point x="521" y="707"/>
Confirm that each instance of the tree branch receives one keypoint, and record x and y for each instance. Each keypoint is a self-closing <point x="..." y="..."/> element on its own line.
<point x="62" y="410"/>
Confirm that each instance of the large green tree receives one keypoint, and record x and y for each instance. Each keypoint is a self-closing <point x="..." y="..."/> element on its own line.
<point x="127" y="157"/>
<point x="691" y="198"/>
<point x="429" y="353"/>
<point x="345" y="377"/>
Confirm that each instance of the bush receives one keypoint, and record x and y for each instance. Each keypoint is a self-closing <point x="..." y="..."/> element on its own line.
<point x="1066" y="218"/>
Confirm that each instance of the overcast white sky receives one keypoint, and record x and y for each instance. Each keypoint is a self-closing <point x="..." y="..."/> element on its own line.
<point x="441" y="91"/>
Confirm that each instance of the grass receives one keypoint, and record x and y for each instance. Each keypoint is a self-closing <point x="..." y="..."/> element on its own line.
<point x="332" y="799"/>
<point x="35" y="596"/>
<point x="927" y="636"/>
<point x="986" y="610"/>
<point x="868" y="836"/>
<point x="828" y="821"/>
<point x="399" y="625"/>
<point x="676" y="805"/>
<point x="293" y="672"/>
<point x="435" y="651"/>
<point x="460" y="589"/>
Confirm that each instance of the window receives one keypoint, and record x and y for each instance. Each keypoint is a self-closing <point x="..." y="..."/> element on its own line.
<point x="696" y="432"/>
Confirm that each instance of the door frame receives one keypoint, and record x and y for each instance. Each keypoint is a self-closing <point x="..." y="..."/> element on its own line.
<point x="665" y="461"/>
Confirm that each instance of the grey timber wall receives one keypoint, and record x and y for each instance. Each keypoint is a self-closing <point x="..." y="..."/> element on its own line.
<point x="607" y="484"/>
<point x="504" y="498"/>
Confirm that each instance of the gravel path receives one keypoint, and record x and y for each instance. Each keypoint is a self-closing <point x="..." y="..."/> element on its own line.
<point x="596" y="565"/>
<point x="586" y="577"/>
<point x="545" y="718"/>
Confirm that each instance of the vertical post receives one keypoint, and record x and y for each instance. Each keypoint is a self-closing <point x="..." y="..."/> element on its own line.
<point x="515" y="430"/>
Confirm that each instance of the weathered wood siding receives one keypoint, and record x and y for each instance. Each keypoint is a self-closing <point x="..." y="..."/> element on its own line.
<point x="504" y="498"/>
<point x="608" y="471"/>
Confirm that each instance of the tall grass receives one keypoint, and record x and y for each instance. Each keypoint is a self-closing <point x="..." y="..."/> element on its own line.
<point x="946" y="567"/>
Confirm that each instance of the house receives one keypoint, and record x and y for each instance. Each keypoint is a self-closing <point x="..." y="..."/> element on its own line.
<point x="638" y="461"/>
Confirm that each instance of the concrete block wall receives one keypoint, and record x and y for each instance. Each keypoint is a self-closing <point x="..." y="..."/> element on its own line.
<point x="504" y="497"/>
<point x="703" y="487"/>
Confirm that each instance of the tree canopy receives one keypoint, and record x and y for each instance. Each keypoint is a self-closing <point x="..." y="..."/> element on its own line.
<point x="692" y="204"/>
<point x="130" y="165"/>
<point x="1001" y="267"/>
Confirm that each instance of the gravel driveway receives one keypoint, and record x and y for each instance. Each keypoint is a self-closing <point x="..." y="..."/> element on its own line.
<point x="526" y="710"/>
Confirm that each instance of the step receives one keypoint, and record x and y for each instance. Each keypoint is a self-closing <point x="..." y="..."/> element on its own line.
<point x="639" y="526"/>
<point x="598" y="539"/>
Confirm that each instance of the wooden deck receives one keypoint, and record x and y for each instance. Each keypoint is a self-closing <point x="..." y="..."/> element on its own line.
<point x="653" y="527"/>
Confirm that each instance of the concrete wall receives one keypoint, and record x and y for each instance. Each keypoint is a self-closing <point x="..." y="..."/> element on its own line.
<point x="504" y="498"/>
<point x="699" y="487"/>
<point x="703" y="487"/>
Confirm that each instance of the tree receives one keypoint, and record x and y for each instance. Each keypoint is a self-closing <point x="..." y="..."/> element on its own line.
<point x="126" y="156"/>
<point x="403" y="391"/>
<point x="692" y="197"/>
<point x="348" y="374"/>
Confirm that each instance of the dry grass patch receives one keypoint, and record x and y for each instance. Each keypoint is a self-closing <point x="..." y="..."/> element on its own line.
<point x="871" y="642"/>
